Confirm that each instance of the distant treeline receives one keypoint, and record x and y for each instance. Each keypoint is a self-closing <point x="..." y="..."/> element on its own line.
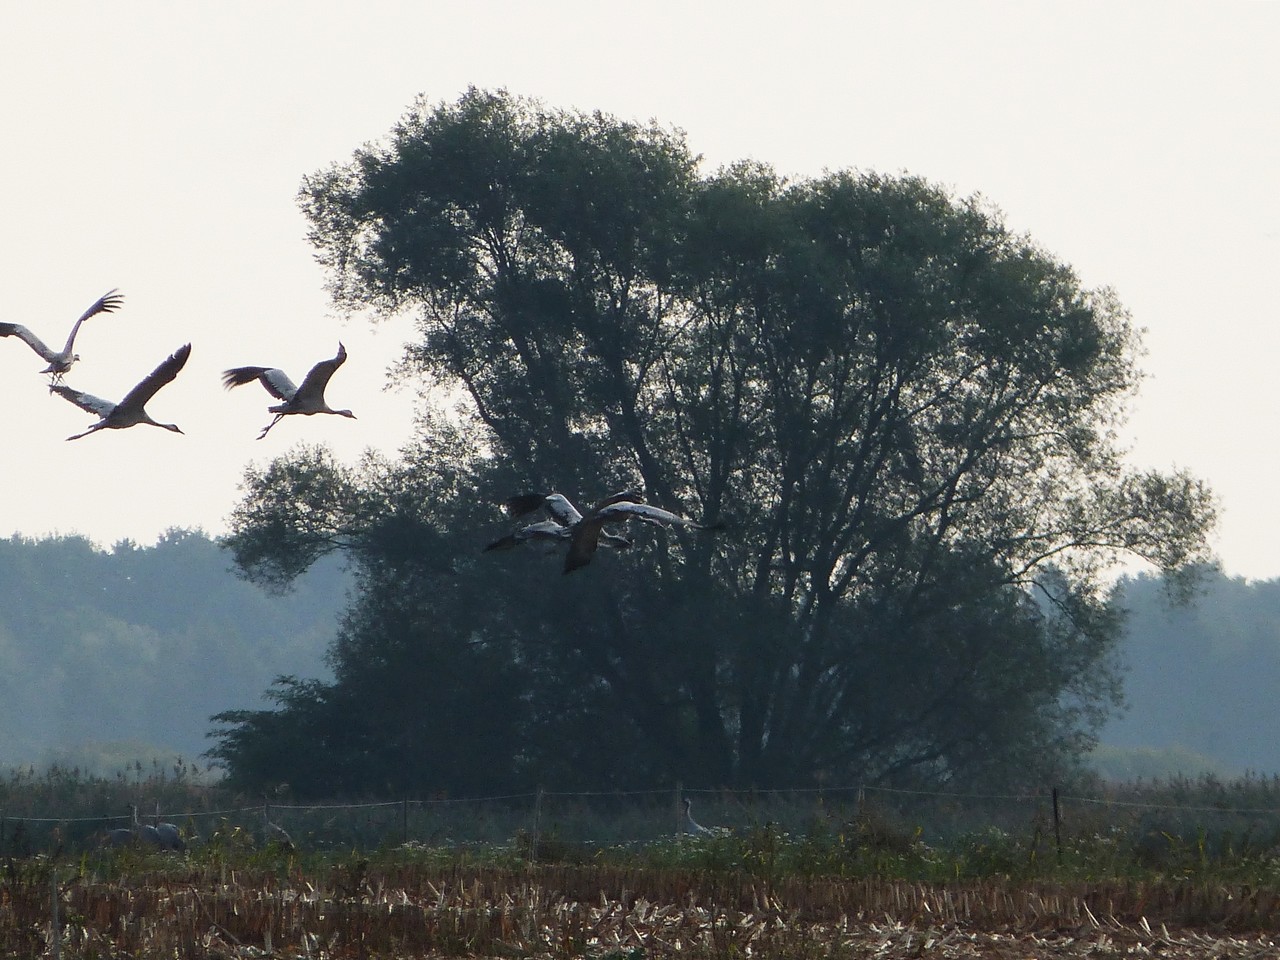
<point x="1202" y="677"/>
<point x="112" y="656"/>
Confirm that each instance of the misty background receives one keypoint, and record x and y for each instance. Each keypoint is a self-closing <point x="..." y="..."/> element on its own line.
<point x="109" y="658"/>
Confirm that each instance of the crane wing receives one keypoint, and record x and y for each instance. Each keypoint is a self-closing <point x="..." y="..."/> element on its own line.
<point x="31" y="340"/>
<point x="585" y="540"/>
<point x="542" y="530"/>
<point x="627" y="510"/>
<point x="274" y="379"/>
<point x="634" y="496"/>
<point x="106" y="303"/>
<point x="157" y="378"/>
<point x="561" y="510"/>
<point x="317" y="377"/>
<point x="558" y="507"/>
<point x="85" y="401"/>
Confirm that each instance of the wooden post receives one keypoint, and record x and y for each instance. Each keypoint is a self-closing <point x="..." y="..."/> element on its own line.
<point x="537" y="817"/>
<point x="404" y="821"/>
<point x="1057" y="826"/>
<point x="55" y="925"/>
<point x="675" y="809"/>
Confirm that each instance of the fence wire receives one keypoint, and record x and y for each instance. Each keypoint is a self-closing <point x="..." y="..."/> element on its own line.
<point x="600" y="819"/>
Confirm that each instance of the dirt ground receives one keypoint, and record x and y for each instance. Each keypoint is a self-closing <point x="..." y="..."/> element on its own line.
<point x="891" y="941"/>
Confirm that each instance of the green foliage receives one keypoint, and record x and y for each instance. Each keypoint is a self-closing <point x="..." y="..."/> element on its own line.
<point x="904" y="412"/>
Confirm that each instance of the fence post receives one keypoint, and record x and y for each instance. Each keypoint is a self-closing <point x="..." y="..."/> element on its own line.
<point x="537" y="817"/>
<point x="1057" y="826"/>
<point x="2" y="826"/>
<point x="55" y="925"/>
<point x="404" y="821"/>
<point x="675" y="809"/>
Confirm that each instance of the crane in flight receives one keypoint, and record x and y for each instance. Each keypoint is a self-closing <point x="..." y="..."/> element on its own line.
<point x="563" y="516"/>
<point x="130" y="411"/>
<point x="586" y="533"/>
<point x="305" y="399"/>
<point x="60" y="361"/>
<point x="551" y="531"/>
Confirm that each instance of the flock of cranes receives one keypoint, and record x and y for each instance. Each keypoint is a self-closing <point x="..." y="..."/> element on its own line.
<point x="585" y="533"/>
<point x="306" y="399"/>
<point x="565" y="523"/>
<point x="168" y="836"/>
<point x="158" y="836"/>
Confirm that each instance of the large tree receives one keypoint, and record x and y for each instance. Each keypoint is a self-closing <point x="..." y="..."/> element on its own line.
<point x="905" y="413"/>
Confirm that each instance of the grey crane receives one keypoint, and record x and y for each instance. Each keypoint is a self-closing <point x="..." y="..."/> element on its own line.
<point x="274" y="833"/>
<point x="130" y="411"/>
<point x="564" y="516"/>
<point x="586" y="533"/>
<point x="60" y="361"/>
<point x="694" y="827"/>
<point x="170" y="835"/>
<point x="305" y="399"/>
<point x="145" y="832"/>
<point x="118" y="837"/>
<point x="551" y="531"/>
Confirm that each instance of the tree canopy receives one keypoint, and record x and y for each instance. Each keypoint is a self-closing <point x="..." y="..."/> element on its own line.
<point x="904" y="412"/>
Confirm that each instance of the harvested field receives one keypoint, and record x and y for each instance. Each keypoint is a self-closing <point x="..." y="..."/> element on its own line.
<point x="355" y="910"/>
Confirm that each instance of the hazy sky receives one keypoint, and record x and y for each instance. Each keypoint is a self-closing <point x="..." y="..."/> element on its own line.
<point x="158" y="147"/>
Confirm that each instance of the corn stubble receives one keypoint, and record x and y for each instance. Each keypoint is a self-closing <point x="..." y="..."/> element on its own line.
<point x="621" y="914"/>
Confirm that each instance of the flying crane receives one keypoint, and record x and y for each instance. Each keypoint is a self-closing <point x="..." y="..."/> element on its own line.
<point x="586" y="533"/>
<point x="60" y="361"/>
<point x="305" y="399"/>
<point x="130" y="411"/>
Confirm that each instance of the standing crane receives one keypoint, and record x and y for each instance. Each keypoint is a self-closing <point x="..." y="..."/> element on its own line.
<point x="305" y="399"/>
<point x="145" y="832"/>
<point x="170" y="835"/>
<point x="694" y="827"/>
<point x="60" y="361"/>
<point x="274" y="833"/>
<point x="118" y="837"/>
<point x="131" y="410"/>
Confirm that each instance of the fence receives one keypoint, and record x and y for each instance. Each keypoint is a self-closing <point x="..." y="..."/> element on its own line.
<point x="594" y="820"/>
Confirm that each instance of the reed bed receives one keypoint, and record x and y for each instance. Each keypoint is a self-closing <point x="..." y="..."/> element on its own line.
<point x="357" y="909"/>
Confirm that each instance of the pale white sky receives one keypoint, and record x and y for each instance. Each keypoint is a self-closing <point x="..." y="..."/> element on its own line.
<point x="158" y="147"/>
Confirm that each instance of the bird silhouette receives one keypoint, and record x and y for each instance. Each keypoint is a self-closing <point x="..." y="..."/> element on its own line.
<point x="588" y="533"/>
<point x="118" y="837"/>
<point x="60" y="361"/>
<point x="170" y="835"/>
<point x="130" y="411"/>
<point x="305" y="399"/>
<point x="145" y="832"/>
<point x="564" y="516"/>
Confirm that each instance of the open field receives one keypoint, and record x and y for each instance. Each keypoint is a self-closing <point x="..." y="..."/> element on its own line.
<point x="402" y="907"/>
<point x="1181" y="869"/>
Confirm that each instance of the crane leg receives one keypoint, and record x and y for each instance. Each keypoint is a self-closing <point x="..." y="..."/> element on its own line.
<point x="270" y="425"/>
